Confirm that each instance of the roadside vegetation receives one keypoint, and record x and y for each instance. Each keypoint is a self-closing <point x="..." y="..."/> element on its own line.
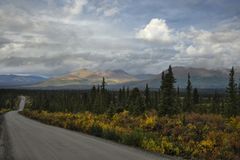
<point x="200" y="136"/>
<point x="8" y="101"/>
<point x="4" y="110"/>
<point x="170" y="120"/>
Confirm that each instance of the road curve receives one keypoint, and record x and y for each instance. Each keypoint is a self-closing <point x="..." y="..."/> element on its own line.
<point x="32" y="140"/>
<point x="22" y="103"/>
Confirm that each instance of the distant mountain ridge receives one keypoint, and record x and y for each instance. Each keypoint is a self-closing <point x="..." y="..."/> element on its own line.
<point x="200" y="78"/>
<point x="17" y="80"/>
<point x="85" y="79"/>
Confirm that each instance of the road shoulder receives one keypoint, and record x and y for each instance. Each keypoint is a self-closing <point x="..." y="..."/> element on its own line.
<point x="5" y="147"/>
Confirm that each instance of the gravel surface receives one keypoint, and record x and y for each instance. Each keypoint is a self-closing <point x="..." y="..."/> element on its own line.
<point x="32" y="140"/>
<point x="5" y="144"/>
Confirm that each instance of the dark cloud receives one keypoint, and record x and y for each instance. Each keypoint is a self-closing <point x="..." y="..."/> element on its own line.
<point x="4" y="41"/>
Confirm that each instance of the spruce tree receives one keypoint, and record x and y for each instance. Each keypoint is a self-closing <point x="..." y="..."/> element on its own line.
<point x="188" y="97"/>
<point x="112" y="109"/>
<point x="162" y="82"/>
<point x="179" y="102"/>
<point x="168" y="94"/>
<point x="127" y="93"/>
<point x="147" y="96"/>
<point x="93" y="98"/>
<point x="195" y="96"/>
<point x="238" y="106"/>
<point x="136" y="103"/>
<point x="120" y="98"/>
<point x="239" y="88"/>
<point x="98" y="88"/>
<point x="178" y="91"/>
<point x="231" y="107"/>
<point x="215" y="108"/>
<point x="103" y="84"/>
<point x="124" y="96"/>
<point x="127" y="96"/>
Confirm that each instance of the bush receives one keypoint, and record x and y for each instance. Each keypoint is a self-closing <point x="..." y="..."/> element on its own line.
<point x="134" y="138"/>
<point x="192" y="136"/>
<point x="96" y="130"/>
<point x="4" y="110"/>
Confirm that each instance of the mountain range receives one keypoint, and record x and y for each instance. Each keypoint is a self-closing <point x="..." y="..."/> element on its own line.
<point x="18" y="80"/>
<point x="85" y="79"/>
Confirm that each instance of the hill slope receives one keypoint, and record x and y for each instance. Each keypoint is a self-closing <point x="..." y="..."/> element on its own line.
<point x="200" y="77"/>
<point x="84" y="79"/>
<point x="20" y="80"/>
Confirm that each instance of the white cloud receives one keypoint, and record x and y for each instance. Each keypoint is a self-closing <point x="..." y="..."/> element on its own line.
<point x="75" y="7"/>
<point x="211" y="49"/>
<point x="111" y="12"/>
<point x="107" y="8"/>
<point x="156" y="30"/>
<point x="195" y="47"/>
<point x="11" y="47"/>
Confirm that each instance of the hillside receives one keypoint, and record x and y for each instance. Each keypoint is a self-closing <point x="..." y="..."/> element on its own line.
<point x="84" y="79"/>
<point x="20" y="80"/>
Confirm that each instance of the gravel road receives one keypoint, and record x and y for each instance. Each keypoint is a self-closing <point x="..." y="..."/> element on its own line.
<point x="32" y="140"/>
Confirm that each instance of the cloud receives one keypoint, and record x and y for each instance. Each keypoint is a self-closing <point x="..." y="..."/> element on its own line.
<point x="211" y="49"/>
<point x="156" y="30"/>
<point x="217" y="48"/>
<point x="75" y="7"/>
<point x="55" y="37"/>
<point x="106" y="8"/>
<point x="111" y="12"/>
<point x="3" y="41"/>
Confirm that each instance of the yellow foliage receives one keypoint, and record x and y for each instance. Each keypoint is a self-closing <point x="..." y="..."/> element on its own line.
<point x="190" y="136"/>
<point x="151" y="145"/>
<point x="4" y="110"/>
<point x="149" y="122"/>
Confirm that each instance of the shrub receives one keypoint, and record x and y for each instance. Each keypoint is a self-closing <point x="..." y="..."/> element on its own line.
<point x="192" y="136"/>
<point x="133" y="138"/>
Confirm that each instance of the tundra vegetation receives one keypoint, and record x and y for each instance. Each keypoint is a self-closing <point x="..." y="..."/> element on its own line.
<point x="186" y="123"/>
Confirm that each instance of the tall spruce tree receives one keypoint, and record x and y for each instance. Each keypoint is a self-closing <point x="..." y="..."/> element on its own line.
<point x="124" y="96"/>
<point x="238" y="112"/>
<point x="127" y="96"/>
<point x="178" y="91"/>
<point x="93" y="95"/>
<point x="136" y="103"/>
<point x="239" y="87"/>
<point x="162" y="82"/>
<point x="188" y="97"/>
<point x="147" y="96"/>
<point x="195" y="96"/>
<point x="103" y="84"/>
<point x="104" y="97"/>
<point x="179" y="101"/>
<point x="215" y="107"/>
<point x="232" y="107"/>
<point x="120" y="97"/>
<point x="168" y="94"/>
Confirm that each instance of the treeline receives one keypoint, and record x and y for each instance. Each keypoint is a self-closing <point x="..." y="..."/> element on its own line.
<point x="166" y="101"/>
<point x="8" y="99"/>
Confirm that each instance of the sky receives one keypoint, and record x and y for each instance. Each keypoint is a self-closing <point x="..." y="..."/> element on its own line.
<point x="53" y="37"/>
